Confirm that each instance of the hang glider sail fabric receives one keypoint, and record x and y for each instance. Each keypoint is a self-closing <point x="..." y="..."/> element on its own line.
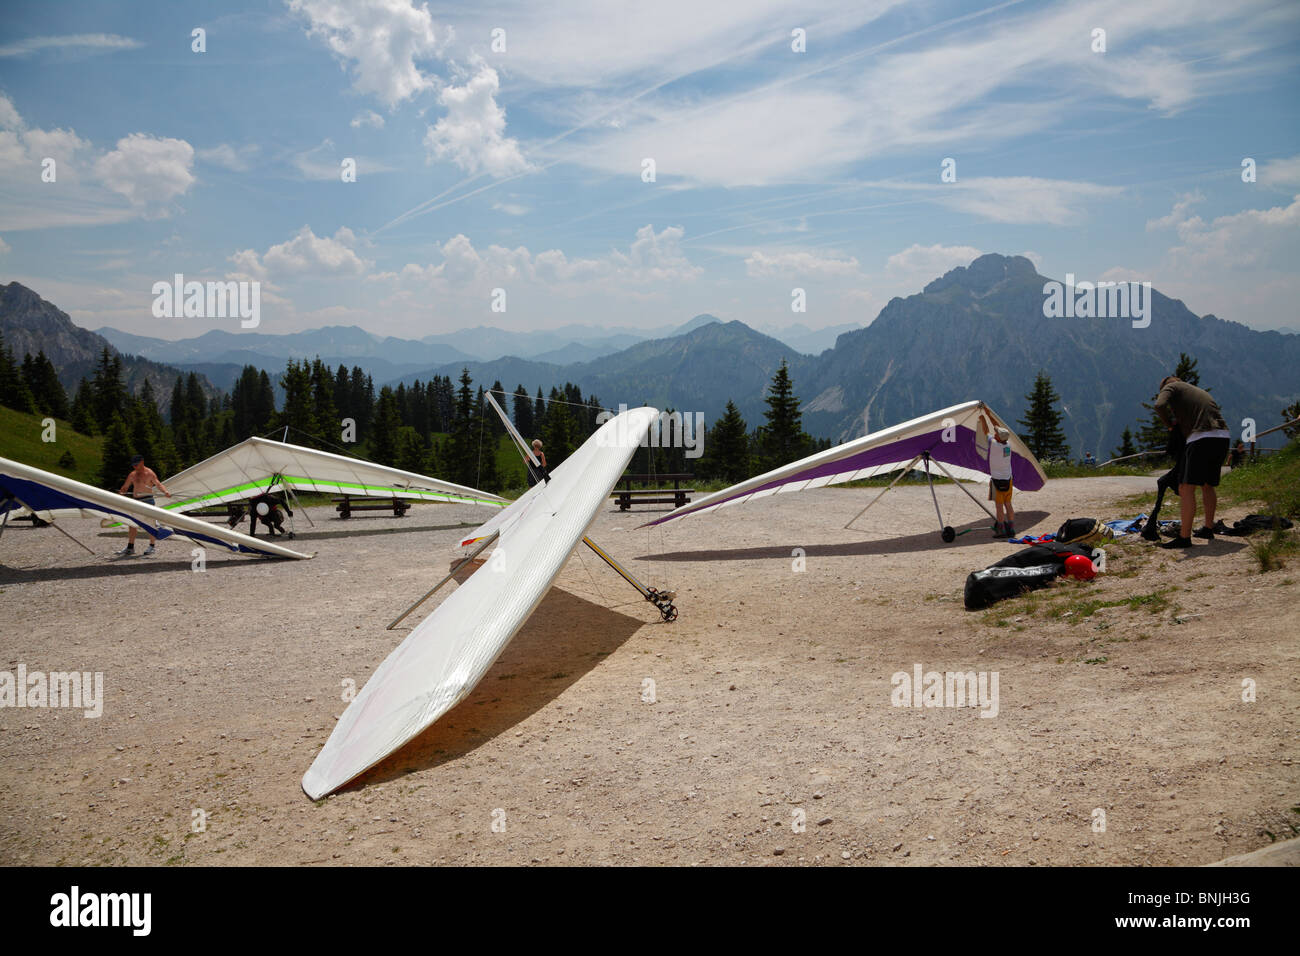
<point x="951" y="436"/>
<point x="448" y="653"/>
<point x="256" y="465"/>
<point x="22" y="486"/>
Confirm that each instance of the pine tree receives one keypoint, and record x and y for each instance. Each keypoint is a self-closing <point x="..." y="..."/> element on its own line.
<point x="539" y="412"/>
<point x="494" y="424"/>
<point x="243" y="399"/>
<point x="559" y="432"/>
<point x="262" y="410"/>
<point x="343" y="393"/>
<point x="117" y="454"/>
<point x="782" y="440"/>
<point x="324" y="410"/>
<point x="83" y="409"/>
<point x="1126" y="446"/>
<point x="1042" y="422"/>
<point x="727" y="446"/>
<point x="298" y="411"/>
<point x="411" y="454"/>
<point x="1290" y="414"/>
<point x="462" y="451"/>
<point x="385" y="428"/>
<point x="196" y="403"/>
<point x="43" y="382"/>
<point x="14" y="392"/>
<point x="109" y="394"/>
<point x="1186" y="370"/>
<point x="524" y="414"/>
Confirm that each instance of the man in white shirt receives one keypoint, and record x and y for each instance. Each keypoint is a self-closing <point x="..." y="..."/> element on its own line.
<point x="1000" y="474"/>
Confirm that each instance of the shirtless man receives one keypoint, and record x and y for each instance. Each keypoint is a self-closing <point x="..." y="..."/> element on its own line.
<point x="140" y="482"/>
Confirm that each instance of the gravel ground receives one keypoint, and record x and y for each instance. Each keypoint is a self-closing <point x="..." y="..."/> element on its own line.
<point x="757" y="728"/>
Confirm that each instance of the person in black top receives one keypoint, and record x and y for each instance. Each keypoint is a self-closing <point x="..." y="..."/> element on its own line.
<point x="535" y="473"/>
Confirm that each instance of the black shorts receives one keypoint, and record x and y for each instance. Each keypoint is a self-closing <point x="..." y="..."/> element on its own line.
<point x="1203" y="460"/>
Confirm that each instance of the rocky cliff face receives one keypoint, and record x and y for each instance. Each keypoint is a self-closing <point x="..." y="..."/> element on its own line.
<point x="31" y="324"/>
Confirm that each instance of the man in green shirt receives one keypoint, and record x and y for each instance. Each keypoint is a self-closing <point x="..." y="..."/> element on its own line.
<point x="1195" y="413"/>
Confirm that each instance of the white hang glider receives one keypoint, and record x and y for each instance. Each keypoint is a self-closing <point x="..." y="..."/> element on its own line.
<point x="258" y="465"/>
<point x="951" y="440"/>
<point x="447" y="654"/>
<point x="22" y="486"/>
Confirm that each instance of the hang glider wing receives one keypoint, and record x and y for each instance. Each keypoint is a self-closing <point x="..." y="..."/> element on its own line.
<point x="951" y="436"/>
<point x="22" y="486"/>
<point x="256" y="465"/>
<point x="448" y="653"/>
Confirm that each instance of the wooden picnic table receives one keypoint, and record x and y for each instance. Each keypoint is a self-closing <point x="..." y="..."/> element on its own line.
<point x="348" y="504"/>
<point x="627" y="495"/>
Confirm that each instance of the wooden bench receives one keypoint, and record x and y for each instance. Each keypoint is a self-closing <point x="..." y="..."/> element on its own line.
<point x="347" y="504"/>
<point x="627" y="495"/>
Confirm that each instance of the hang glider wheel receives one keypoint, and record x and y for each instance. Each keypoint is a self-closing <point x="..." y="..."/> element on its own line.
<point x="949" y="536"/>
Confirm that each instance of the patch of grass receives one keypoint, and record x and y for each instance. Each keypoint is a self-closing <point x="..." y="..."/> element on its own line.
<point x="1077" y="610"/>
<point x="1271" y="552"/>
<point x="1273" y="479"/>
<point x="20" y="439"/>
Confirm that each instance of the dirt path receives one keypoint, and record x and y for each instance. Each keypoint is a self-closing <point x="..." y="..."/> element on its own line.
<point x="771" y="700"/>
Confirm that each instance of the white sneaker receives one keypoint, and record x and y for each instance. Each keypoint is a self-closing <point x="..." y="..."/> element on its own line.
<point x="149" y="550"/>
<point x="129" y="549"/>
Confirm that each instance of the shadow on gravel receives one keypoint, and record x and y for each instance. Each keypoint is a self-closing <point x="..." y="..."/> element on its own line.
<point x="977" y="532"/>
<point x="566" y="637"/>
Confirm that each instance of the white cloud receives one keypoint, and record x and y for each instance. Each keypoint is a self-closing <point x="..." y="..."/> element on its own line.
<point x="368" y="118"/>
<point x="381" y="39"/>
<point x="305" y="254"/>
<point x="75" y="41"/>
<point x="1284" y="173"/>
<point x="471" y="134"/>
<point x="510" y="208"/>
<point x="9" y="118"/>
<point x="651" y="258"/>
<point x="793" y="264"/>
<point x="1024" y="199"/>
<point x="228" y="157"/>
<point x="324" y="163"/>
<point x="147" y="169"/>
<point x="1249" y="239"/>
<point x="1239" y="266"/>
<point x="4" y="247"/>
<point x="922" y="264"/>
<point x="972" y="86"/>
<point x="1180" y="212"/>
<point x="585" y="45"/>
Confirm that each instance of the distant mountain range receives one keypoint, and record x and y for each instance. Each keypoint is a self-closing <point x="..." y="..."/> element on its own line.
<point x="221" y="355"/>
<point x="977" y="332"/>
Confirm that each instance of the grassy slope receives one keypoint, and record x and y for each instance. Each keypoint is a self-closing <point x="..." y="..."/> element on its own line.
<point x="20" y="439"/>
<point x="1273" y="481"/>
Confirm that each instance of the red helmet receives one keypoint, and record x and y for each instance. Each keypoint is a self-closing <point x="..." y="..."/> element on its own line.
<point x="1077" y="566"/>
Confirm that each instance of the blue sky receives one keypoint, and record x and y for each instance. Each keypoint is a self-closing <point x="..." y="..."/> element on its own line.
<point x="521" y="168"/>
